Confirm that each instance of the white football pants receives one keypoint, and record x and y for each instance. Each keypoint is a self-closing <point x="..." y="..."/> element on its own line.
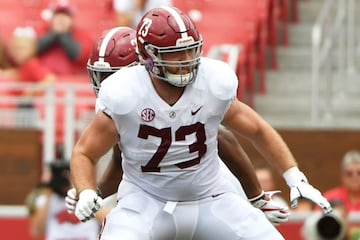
<point x="139" y="216"/>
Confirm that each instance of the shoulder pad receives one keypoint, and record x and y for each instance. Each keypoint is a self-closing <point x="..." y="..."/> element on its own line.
<point x="223" y="81"/>
<point x="117" y="92"/>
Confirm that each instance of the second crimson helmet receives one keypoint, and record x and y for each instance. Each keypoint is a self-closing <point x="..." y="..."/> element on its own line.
<point x="113" y="50"/>
<point x="168" y="30"/>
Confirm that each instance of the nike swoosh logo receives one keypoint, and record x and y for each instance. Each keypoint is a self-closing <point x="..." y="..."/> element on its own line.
<point x="196" y="111"/>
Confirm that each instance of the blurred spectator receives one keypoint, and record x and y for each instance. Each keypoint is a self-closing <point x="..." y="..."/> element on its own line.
<point x="62" y="46"/>
<point x="349" y="191"/>
<point x="22" y="52"/>
<point x="48" y="212"/>
<point x="27" y="67"/>
<point x="128" y="13"/>
<point x="7" y="75"/>
<point x="7" y="70"/>
<point x="4" y="61"/>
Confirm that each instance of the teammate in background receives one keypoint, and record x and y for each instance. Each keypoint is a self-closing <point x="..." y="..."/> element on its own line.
<point x="128" y="13"/>
<point x="116" y="49"/>
<point x="165" y="116"/>
<point x="48" y="213"/>
<point x="62" y="46"/>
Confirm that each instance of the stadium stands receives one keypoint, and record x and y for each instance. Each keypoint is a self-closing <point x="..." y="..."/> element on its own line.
<point x="252" y="34"/>
<point x="96" y="16"/>
<point x="251" y="24"/>
<point x="241" y="22"/>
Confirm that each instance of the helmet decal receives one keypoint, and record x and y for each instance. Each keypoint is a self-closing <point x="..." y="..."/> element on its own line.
<point x="178" y="20"/>
<point x="144" y="28"/>
<point x="167" y="30"/>
<point x="113" y="50"/>
<point x="105" y="42"/>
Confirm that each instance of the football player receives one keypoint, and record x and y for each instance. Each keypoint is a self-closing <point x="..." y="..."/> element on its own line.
<point x="165" y="115"/>
<point x="116" y="49"/>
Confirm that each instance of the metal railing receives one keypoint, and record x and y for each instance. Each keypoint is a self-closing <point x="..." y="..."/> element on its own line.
<point x="14" y="116"/>
<point x="76" y="100"/>
<point x="332" y="54"/>
<point x="75" y="118"/>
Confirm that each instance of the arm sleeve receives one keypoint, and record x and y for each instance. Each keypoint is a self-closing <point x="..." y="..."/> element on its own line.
<point x="46" y="41"/>
<point x="70" y="45"/>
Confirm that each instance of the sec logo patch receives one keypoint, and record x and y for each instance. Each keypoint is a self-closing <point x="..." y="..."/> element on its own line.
<point x="147" y="114"/>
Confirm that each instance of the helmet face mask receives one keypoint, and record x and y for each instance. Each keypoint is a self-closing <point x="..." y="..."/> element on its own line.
<point x="186" y="70"/>
<point x="97" y="75"/>
<point x="167" y="31"/>
<point x="112" y="51"/>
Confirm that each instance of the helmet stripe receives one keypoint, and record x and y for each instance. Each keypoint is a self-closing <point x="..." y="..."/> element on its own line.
<point x="178" y="20"/>
<point x="105" y="42"/>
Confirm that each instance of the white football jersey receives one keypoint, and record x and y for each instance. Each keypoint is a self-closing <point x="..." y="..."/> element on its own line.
<point x="171" y="151"/>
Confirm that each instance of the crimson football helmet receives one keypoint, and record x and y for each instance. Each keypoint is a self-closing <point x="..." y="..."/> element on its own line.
<point x="168" y="30"/>
<point x="113" y="50"/>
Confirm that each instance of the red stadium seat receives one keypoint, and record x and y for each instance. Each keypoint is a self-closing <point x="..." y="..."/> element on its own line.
<point x="263" y="14"/>
<point x="294" y="11"/>
<point x="232" y="22"/>
<point x="94" y="16"/>
<point x="94" y="4"/>
<point x="272" y="19"/>
<point x="95" y="20"/>
<point x="215" y="33"/>
<point x="8" y="22"/>
<point x="284" y="18"/>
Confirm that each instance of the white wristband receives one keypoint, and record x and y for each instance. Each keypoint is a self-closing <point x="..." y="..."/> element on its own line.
<point x="88" y="192"/>
<point x="256" y="198"/>
<point x="293" y="176"/>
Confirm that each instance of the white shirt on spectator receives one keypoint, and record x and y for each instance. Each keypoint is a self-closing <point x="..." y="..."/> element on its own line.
<point x="129" y="5"/>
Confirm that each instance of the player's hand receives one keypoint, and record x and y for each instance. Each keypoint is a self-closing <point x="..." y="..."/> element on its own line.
<point x="300" y="188"/>
<point x="71" y="200"/>
<point x="305" y="190"/>
<point x="88" y="204"/>
<point x="273" y="211"/>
